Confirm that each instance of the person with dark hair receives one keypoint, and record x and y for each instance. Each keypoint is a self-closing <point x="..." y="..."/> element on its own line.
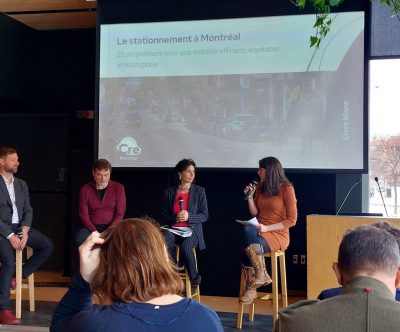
<point x="128" y="270"/>
<point x="185" y="205"/>
<point x="102" y="202"/>
<point x="273" y="202"/>
<point x="368" y="267"/>
<point x="16" y="231"/>
<point x="392" y="230"/>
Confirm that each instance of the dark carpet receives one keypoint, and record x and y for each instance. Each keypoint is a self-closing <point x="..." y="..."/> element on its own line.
<point x="260" y="323"/>
<point x="44" y="311"/>
<point x="40" y="317"/>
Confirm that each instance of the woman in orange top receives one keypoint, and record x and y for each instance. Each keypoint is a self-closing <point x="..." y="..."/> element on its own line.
<point x="273" y="202"/>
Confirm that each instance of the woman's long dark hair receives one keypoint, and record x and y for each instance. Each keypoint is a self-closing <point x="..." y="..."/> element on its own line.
<point x="275" y="176"/>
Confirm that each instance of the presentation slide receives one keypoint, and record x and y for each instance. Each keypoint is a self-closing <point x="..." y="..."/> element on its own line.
<point x="229" y="92"/>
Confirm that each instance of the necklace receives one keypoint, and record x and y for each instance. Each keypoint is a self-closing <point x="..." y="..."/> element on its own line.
<point x="181" y="189"/>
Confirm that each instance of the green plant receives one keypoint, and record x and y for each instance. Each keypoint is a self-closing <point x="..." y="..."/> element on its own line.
<point x="323" y="22"/>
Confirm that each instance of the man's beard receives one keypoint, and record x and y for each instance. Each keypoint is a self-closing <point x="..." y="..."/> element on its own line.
<point x="11" y="170"/>
<point x="102" y="183"/>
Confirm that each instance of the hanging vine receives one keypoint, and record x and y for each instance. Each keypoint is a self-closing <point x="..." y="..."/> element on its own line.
<point x="323" y="22"/>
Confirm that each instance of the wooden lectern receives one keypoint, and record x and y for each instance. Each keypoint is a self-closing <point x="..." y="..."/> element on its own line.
<point x="324" y="234"/>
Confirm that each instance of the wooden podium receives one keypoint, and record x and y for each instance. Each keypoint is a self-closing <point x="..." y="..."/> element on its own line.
<point x="324" y="234"/>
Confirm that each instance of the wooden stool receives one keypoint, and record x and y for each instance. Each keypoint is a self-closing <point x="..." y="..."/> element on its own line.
<point x="186" y="279"/>
<point x="274" y="296"/>
<point x="18" y="277"/>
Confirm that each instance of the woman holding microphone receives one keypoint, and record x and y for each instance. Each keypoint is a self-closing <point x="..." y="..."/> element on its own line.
<point x="185" y="205"/>
<point x="273" y="202"/>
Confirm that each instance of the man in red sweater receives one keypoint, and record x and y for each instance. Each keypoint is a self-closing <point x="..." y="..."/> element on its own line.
<point x="102" y="202"/>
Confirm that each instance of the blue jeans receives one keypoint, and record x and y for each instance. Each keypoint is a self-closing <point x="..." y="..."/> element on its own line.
<point x="251" y="235"/>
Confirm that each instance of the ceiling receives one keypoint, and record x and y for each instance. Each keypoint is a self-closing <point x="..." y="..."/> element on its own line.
<point x="52" y="14"/>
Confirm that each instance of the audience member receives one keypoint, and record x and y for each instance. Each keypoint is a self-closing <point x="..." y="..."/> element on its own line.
<point x="128" y="270"/>
<point x="368" y="267"/>
<point x="391" y="229"/>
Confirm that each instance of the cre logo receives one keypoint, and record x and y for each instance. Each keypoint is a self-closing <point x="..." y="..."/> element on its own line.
<point x="129" y="147"/>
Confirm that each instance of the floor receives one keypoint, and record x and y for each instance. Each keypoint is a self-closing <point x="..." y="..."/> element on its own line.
<point x="51" y="286"/>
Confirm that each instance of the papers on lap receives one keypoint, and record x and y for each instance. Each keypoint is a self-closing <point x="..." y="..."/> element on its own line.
<point x="181" y="231"/>
<point x="252" y="221"/>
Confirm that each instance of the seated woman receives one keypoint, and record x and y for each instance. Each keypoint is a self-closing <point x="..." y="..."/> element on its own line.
<point x="128" y="270"/>
<point x="273" y="202"/>
<point x="185" y="205"/>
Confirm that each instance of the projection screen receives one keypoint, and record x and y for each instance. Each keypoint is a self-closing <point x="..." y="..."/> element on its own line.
<point x="231" y="91"/>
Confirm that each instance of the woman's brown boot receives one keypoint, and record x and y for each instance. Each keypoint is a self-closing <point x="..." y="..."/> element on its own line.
<point x="255" y="253"/>
<point x="250" y="293"/>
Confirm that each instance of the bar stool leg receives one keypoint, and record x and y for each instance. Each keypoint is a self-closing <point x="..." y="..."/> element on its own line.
<point x="19" y="285"/>
<point x="188" y="285"/>
<point x="252" y="310"/>
<point x="275" y="295"/>
<point x="239" y="320"/>
<point x="178" y="252"/>
<point x="31" y="283"/>
<point x="282" y="266"/>
<point x="196" y="295"/>
<point x="185" y="276"/>
<point x="18" y="279"/>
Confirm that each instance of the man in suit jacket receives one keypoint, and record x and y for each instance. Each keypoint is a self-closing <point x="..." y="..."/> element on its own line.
<point x="16" y="218"/>
<point x="369" y="270"/>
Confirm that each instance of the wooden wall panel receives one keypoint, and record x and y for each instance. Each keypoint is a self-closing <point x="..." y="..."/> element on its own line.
<point x="324" y="234"/>
<point x="7" y="6"/>
<point x="55" y="21"/>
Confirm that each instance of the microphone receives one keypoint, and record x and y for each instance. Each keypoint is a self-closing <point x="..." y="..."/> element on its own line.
<point x="180" y="201"/>
<point x="380" y="191"/>
<point x="247" y="193"/>
<point x="345" y="199"/>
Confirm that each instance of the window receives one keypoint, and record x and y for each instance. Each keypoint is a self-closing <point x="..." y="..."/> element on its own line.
<point x="384" y="124"/>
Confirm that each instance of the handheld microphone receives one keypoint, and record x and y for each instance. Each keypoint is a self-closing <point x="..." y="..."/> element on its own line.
<point x="380" y="191"/>
<point x="247" y="193"/>
<point x="180" y="201"/>
<point x="345" y="199"/>
<point x="19" y="232"/>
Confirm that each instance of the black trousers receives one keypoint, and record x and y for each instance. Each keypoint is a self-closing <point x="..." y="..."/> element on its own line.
<point x="83" y="234"/>
<point x="42" y="248"/>
<point x="186" y="252"/>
